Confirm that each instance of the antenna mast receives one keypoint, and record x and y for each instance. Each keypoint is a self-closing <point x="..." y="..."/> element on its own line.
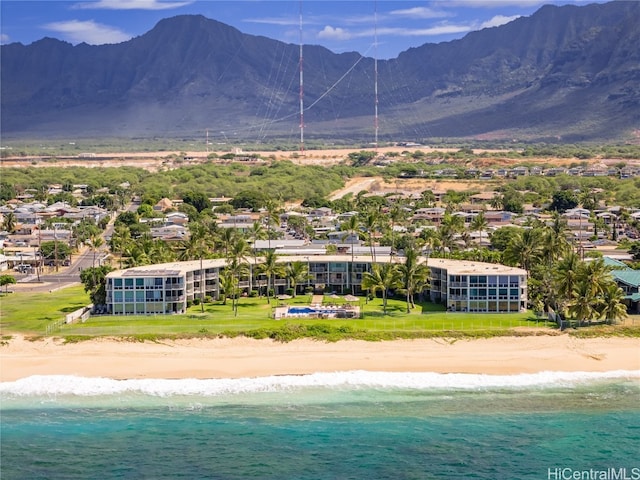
<point x="375" y="71"/>
<point x="301" y="89"/>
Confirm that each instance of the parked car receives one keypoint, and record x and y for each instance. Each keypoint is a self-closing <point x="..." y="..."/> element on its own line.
<point x="23" y="268"/>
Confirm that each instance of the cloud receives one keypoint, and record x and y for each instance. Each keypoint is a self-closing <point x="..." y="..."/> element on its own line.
<point x="90" y="32"/>
<point x="4" y="38"/>
<point x="497" y="21"/>
<point x="283" y="21"/>
<point x="331" y="33"/>
<point x="130" y="5"/>
<point x="495" y="3"/>
<point x="420" y="13"/>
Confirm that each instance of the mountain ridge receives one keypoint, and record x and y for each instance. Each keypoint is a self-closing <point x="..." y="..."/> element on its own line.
<point x="568" y="73"/>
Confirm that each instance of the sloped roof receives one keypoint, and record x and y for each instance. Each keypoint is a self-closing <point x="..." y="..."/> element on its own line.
<point x="630" y="277"/>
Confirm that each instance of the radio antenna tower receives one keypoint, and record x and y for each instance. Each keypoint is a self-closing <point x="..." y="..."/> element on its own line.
<point x="301" y="89"/>
<point x="375" y="71"/>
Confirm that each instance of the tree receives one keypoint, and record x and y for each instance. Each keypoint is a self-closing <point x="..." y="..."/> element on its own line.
<point x="5" y="281"/>
<point x="351" y="226"/>
<point x="382" y="277"/>
<point x="565" y="278"/>
<point x="55" y="250"/>
<point x="198" y="200"/>
<point x="479" y="224"/>
<point x="563" y="200"/>
<point x="413" y="276"/>
<point x="253" y="199"/>
<point x="370" y="223"/>
<point x="450" y="226"/>
<point x="524" y="249"/>
<point x="95" y="242"/>
<point x="593" y="279"/>
<point x="273" y="217"/>
<point x="296" y="272"/>
<point x="127" y="218"/>
<point x="198" y="246"/>
<point x="555" y="240"/>
<point x="9" y="223"/>
<point x="361" y="158"/>
<point x="120" y="241"/>
<point x="502" y="236"/>
<point x="229" y="286"/>
<point x="298" y="224"/>
<point x="582" y="306"/>
<point x="612" y="307"/>
<point x="271" y="269"/>
<point x="237" y="266"/>
<point x="512" y="201"/>
<point x="226" y="238"/>
<point x="94" y="281"/>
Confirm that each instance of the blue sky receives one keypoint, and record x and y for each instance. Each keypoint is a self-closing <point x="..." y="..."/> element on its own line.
<point x="341" y="25"/>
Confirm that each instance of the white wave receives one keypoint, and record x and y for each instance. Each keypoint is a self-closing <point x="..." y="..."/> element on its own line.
<point x="55" y="385"/>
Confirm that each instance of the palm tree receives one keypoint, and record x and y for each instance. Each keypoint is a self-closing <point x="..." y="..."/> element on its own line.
<point x="612" y="306"/>
<point x="497" y="202"/>
<point x="95" y="242"/>
<point x="237" y="265"/>
<point x="228" y="285"/>
<point x="414" y="276"/>
<point x="296" y="272"/>
<point x="396" y="216"/>
<point x="273" y="218"/>
<point x="225" y="239"/>
<point x="198" y="246"/>
<point x="161" y="252"/>
<point x="479" y="224"/>
<point x="597" y="275"/>
<point x="565" y="277"/>
<point x="524" y="249"/>
<point x="430" y="240"/>
<point x="450" y="226"/>
<point x="135" y="256"/>
<point x="555" y="243"/>
<point x="382" y="277"/>
<point x="271" y="269"/>
<point x="583" y="305"/>
<point x="351" y="226"/>
<point x="592" y="280"/>
<point x="9" y="223"/>
<point x="370" y="223"/>
<point x="120" y="241"/>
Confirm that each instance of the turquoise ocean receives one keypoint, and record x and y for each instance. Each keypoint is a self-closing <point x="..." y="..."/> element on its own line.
<point x="347" y="425"/>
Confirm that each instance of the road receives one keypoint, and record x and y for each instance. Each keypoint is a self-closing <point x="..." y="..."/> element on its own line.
<point x="66" y="276"/>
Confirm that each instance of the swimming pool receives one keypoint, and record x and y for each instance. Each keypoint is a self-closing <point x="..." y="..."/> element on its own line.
<point x="331" y="312"/>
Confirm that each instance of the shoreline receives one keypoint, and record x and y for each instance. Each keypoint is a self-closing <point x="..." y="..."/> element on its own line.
<point x="247" y="358"/>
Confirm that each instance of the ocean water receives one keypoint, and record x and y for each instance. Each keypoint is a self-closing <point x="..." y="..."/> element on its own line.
<point x="350" y="425"/>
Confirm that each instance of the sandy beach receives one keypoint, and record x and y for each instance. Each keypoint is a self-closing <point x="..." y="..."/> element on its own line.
<point x="243" y="357"/>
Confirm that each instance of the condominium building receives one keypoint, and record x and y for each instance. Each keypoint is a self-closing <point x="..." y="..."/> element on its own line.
<point x="464" y="286"/>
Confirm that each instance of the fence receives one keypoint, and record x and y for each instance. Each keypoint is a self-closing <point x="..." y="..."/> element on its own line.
<point x="81" y="314"/>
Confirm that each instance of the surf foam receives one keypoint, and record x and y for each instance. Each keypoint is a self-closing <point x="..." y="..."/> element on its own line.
<point x="55" y="385"/>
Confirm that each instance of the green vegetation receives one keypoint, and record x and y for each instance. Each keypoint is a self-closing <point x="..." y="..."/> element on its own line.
<point x="31" y="313"/>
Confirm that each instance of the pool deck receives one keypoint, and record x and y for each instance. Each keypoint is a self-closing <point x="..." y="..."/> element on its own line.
<point x="319" y="311"/>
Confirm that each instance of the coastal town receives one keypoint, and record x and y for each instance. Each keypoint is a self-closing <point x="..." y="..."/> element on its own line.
<point x="455" y="219"/>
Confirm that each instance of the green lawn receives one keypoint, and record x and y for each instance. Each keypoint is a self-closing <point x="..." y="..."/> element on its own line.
<point x="31" y="313"/>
